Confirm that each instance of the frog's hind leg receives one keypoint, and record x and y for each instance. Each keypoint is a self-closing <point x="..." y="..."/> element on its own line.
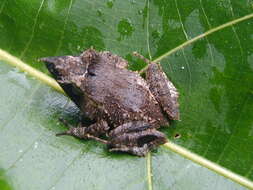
<point x="161" y="87"/>
<point x="163" y="90"/>
<point x="95" y="130"/>
<point x="137" y="137"/>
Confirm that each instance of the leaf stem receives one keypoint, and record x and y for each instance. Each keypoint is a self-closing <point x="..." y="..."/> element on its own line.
<point x="208" y="164"/>
<point x="149" y="171"/>
<point x="5" y="56"/>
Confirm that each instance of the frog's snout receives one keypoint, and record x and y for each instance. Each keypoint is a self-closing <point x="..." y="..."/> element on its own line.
<point x="50" y="62"/>
<point x="54" y="64"/>
<point x="47" y="59"/>
<point x="53" y="60"/>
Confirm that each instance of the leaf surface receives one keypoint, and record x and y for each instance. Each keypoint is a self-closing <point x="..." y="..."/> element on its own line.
<point x="213" y="75"/>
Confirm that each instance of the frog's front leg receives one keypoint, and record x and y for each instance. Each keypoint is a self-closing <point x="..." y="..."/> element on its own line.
<point x="95" y="130"/>
<point x="136" y="137"/>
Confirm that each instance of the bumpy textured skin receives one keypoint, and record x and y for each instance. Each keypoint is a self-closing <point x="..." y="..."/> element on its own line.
<point x="121" y="95"/>
<point x="124" y="106"/>
<point x="163" y="90"/>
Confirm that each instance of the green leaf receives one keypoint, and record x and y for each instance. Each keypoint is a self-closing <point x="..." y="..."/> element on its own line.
<point x="33" y="158"/>
<point x="213" y="75"/>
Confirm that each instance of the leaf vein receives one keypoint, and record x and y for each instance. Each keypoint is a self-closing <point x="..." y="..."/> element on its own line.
<point x="233" y="22"/>
<point x="64" y="27"/>
<point x="33" y="30"/>
<point x="208" y="164"/>
<point x="212" y="61"/>
<point x="209" y="27"/>
<point x="2" y="6"/>
<point x="181" y="22"/>
<point x="148" y="45"/>
<point x="186" y="36"/>
<point x="12" y="60"/>
<point x="22" y="155"/>
<point x="148" y="158"/>
<point x="235" y="127"/>
<point x="234" y="30"/>
<point x="149" y="171"/>
<point x="65" y="169"/>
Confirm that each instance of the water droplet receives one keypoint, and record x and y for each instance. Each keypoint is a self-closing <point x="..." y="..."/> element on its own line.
<point x="182" y="67"/>
<point x="156" y="34"/>
<point x="110" y="4"/>
<point x="140" y="12"/>
<point x="99" y="12"/>
<point x="41" y="25"/>
<point x="35" y="145"/>
<point x="133" y="1"/>
<point x="125" y="27"/>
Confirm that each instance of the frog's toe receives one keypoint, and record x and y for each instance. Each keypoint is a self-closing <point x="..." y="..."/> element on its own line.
<point x="79" y="132"/>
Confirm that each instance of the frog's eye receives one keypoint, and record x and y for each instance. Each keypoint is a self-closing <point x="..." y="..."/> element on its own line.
<point x="91" y="72"/>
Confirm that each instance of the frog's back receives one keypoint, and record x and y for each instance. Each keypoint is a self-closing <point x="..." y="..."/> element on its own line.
<point x="121" y="94"/>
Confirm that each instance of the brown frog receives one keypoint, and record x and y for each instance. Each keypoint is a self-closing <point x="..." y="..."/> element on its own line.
<point x="124" y="107"/>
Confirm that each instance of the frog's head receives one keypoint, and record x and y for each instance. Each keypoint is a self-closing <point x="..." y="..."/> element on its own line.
<point x="68" y="68"/>
<point x="64" y="67"/>
<point x="70" y="71"/>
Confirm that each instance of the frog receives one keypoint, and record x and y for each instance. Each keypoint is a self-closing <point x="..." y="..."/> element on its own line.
<point x="126" y="109"/>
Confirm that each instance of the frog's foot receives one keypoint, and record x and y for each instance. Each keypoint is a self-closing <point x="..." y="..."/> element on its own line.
<point x="138" y="151"/>
<point x="94" y="130"/>
<point x="136" y="137"/>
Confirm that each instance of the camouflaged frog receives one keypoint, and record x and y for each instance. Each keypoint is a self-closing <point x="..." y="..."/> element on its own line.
<point x="125" y="109"/>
